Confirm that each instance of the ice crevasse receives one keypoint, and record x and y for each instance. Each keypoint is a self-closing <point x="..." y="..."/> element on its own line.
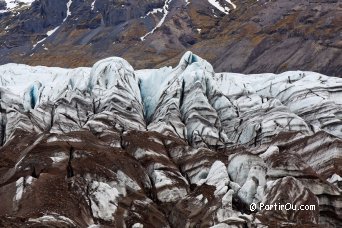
<point x="190" y="100"/>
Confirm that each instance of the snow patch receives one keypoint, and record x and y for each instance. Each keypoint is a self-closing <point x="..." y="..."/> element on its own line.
<point x="20" y="188"/>
<point x="58" y="157"/>
<point x="138" y="225"/>
<point x="21" y="184"/>
<point x="223" y="8"/>
<point x="165" y="13"/>
<point x="68" y="10"/>
<point x="218" y="177"/>
<point x="53" y="218"/>
<point x="13" y="4"/>
<point x="52" y="31"/>
<point x="269" y="152"/>
<point x="154" y="11"/>
<point x="334" y="178"/>
<point x="104" y="199"/>
<point x="93" y="5"/>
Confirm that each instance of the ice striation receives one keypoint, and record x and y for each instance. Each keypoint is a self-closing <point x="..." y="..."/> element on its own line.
<point x="168" y="147"/>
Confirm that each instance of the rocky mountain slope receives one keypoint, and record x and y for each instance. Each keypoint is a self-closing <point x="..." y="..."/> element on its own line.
<point x="110" y="146"/>
<point x="242" y="36"/>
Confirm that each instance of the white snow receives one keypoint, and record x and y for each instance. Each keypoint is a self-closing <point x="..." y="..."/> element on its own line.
<point x="63" y="138"/>
<point x="18" y="79"/>
<point x="172" y="194"/>
<point x="160" y="179"/>
<point x="154" y="11"/>
<point x="48" y="33"/>
<point x="53" y="218"/>
<point x="199" y="197"/>
<point x="93" y="5"/>
<point x="58" y="157"/>
<point x="138" y="225"/>
<point x="104" y="199"/>
<point x="20" y="188"/>
<point x="104" y="195"/>
<point x="68" y="10"/>
<point x="269" y="152"/>
<point x="220" y="225"/>
<point x="218" y="177"/>
<point x="126" y="181"/>
<point x="13" y="4"/>
<point x="224" y="9"/>
<point x="140" y="153"/>
<point x="334" y="178"/>
<point x="165" y="13"/>
<point x="94" y="226"/>
<point x="20" y="185"/>
<point x="29" y="180"/>
<point x="249" y="172"/>
<point x="52" y="31"/>
<point x="164" y="181"/>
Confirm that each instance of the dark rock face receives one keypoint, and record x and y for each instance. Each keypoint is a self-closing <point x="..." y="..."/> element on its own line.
<point x="2" y="5"/>
<point x="110" y="146"/>
<point x="115" y="13"/>
<point x="52" y="12"/>
<point x="254" y="37"/>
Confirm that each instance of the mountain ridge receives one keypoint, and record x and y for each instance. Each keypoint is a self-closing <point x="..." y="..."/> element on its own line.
<point x="254" y="37"/>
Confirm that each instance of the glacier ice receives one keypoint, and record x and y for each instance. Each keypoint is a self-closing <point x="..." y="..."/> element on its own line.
<point x="190" y="101"/>
<point x="203" y="142"/>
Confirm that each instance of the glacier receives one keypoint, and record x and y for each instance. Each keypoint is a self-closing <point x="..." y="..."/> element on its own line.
<point x="170" y="147"/>
<point x="190" y="92"/>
